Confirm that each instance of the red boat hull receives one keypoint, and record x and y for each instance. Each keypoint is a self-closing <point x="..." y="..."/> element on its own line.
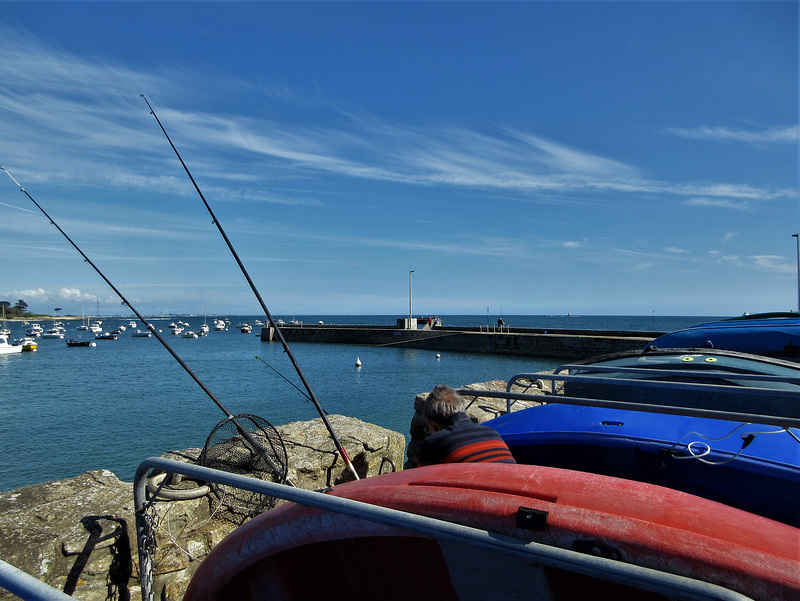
<point x="295" y="552"/>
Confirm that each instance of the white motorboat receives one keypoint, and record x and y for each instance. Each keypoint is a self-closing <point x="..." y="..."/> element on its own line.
<point x="190" y="334"/>
<point x="53" y="333"/>
<point x="141" y="334"/>
<point x="6" y="348"/>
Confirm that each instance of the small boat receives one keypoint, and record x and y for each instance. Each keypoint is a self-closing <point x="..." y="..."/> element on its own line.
<point x="497" y="531"/>
<point x="53" y="333"/>
<point x="190" y="334"/>
<point x="131" y="324"/>
<point x="204" y="328"/>
<point x="676" y="377"/>
<point x="74" y="343"/>
<point x="96" y="327"/>
<point x="718" y="424"/>
<point x="34" y="330"/>
<point x="245" y="328"/>
<point x="749" y="466"/>
<point x="219" y="325"/>
<point x="106" y="336"/>
<point x="8" y="349"/>
<point x="5" y="331"/>
<point x="176" y="330"/>
<point x="141" y="334"/>
<point x="28" y="344"/>
<point x="769" y="334"/>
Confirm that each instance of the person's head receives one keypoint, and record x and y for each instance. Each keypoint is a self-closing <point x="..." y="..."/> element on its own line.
<point x="440" y="407"/>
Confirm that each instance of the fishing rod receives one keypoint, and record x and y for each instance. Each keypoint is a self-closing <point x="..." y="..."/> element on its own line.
<point x="246" y="435"/>
<point x="339" y="447"/>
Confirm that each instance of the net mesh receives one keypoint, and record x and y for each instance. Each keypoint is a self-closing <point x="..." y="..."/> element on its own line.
<point x="250" y="446"/>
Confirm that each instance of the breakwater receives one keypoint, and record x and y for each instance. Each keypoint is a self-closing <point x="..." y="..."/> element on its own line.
<point x="534" y="342"/>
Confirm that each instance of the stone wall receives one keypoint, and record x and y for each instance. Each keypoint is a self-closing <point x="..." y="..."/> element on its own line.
<point x="79" y="535"/>
<point x="565" y="344"/>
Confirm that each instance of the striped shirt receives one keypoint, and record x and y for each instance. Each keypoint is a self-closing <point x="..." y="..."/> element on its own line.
<point x="464" y="441"/>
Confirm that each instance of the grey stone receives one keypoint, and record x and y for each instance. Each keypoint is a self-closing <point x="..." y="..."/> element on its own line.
<point x="79" y="535"/>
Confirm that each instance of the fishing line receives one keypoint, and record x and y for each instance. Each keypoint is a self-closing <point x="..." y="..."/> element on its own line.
<point x="149" y="326"/>
<point x="311" y="396"/>
<point x="288" y="381"/>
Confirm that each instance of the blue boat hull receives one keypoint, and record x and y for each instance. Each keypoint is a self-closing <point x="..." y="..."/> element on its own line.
<point x="749" y="466"/>
<point x="771" y="336"/>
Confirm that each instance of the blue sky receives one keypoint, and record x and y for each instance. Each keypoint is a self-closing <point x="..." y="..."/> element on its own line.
<point x="523" y="157"/>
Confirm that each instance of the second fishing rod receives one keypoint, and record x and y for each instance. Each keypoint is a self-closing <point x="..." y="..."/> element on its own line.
<point x="339" y="447"/>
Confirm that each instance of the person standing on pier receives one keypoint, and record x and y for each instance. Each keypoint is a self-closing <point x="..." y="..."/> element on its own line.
<point x="455" y="438"/>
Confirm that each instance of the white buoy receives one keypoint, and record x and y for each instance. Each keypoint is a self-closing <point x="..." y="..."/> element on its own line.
<point x="358" y="361"/>
<point x="438" y="356"/>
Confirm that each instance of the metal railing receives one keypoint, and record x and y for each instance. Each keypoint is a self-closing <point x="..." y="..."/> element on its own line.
<point x="661" y="391"/>
<point x="29" y="588"/>
<point x="663" y="583"/>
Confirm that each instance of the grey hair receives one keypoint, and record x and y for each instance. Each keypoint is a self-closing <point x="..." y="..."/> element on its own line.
<point x="442" y="404"/>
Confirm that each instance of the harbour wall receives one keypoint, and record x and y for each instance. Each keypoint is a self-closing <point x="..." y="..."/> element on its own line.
<point x="563" y="344"/>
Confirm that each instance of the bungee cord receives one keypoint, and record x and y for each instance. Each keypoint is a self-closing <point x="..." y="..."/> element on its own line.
<point x="699" y="449"/>
<point x="311" y="396"/>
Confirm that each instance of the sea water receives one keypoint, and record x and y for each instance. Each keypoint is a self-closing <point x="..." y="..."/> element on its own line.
<point x="67" y="410"/>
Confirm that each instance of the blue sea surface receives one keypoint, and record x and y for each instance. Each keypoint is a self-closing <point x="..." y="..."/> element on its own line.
<point x="65" y="410"/>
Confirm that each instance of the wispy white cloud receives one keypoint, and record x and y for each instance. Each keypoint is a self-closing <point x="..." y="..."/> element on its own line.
<point x="58" y="132"/>
<point x="772" y="263"/>
<point x="767" y="263"/>
<point x="718" y="203"/>
<point x="772" y="135"/>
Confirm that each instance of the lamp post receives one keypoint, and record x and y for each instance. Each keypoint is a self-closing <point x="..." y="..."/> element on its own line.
<point x="410" y="313"/>
<point x="798" y="269"/>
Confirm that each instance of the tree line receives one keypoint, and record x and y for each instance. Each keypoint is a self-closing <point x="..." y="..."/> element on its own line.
<point x="17" y="310"/>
